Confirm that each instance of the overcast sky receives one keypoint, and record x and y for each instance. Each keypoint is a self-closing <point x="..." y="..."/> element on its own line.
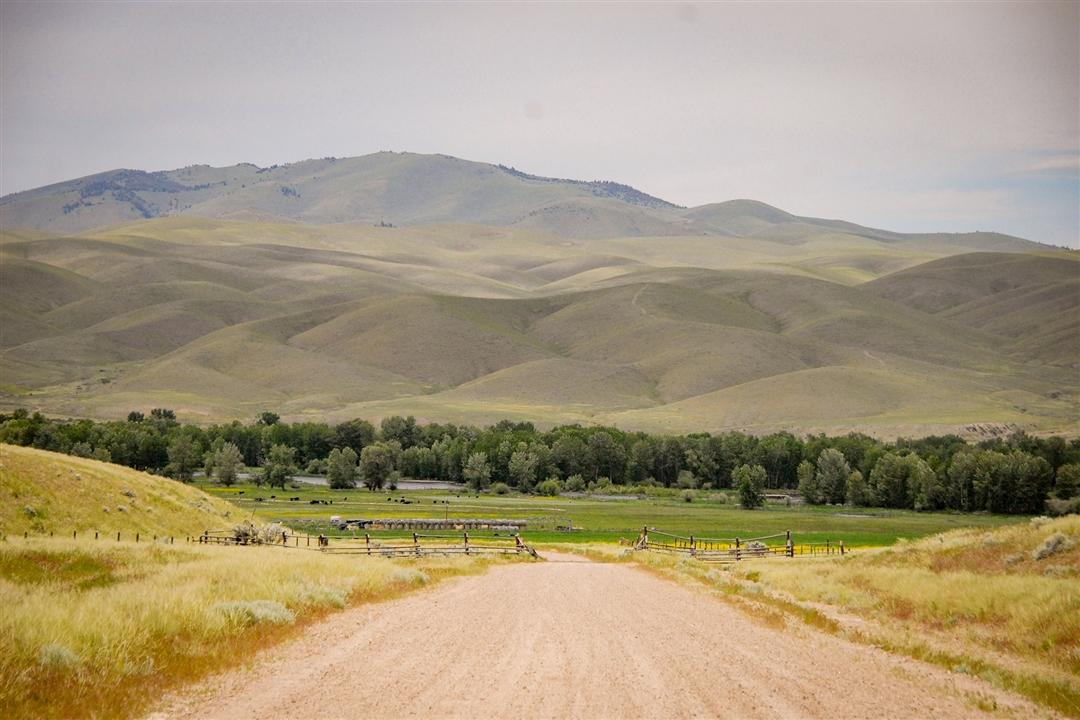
<point x="914" y="116"/>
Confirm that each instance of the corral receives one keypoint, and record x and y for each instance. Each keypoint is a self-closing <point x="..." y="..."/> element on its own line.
<point x="733" y="549"/>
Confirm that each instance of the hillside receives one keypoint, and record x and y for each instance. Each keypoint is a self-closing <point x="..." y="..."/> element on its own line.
<point x="43" y="492"/>
<point x="222" y="319"/>
<point x="1031" y="300"/>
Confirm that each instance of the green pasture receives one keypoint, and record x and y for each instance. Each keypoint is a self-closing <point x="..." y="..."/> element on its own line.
<point x="598" y="519"/>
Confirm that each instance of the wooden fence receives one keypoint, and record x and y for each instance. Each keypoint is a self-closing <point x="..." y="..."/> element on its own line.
<point x="98" y="535"/>
<point x="733" y="549"/>
<point x="421" y="544"/>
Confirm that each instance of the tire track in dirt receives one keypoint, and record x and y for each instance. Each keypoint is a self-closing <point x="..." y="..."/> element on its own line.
<point x="571" y="638"/>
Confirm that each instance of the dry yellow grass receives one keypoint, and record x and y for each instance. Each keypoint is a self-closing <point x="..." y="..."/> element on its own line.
<point x="1003" y="604"/>
<point x="99" y="629"/>
<point x="43" y="492"/>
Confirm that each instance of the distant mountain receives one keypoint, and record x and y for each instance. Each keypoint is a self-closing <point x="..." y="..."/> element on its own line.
<point x="404" y="189"/>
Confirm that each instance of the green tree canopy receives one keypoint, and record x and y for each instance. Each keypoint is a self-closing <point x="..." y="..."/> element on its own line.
<point x="227" y="464"/>
<point x="341" y="468"/>
<point x="477" y="471"/>
<point x="376" y="464"/>
<point x="279" y="466"/>
<point x="750" y="481"/>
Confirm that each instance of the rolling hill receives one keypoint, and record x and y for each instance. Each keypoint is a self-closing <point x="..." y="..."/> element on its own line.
<point x="501" y="294"/>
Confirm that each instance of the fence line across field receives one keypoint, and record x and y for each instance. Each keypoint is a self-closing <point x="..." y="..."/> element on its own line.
<point x="733" y="549"/>
<point x="422" y="544"/>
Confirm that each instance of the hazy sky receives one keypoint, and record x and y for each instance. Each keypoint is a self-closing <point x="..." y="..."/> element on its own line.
<point x="914" y="116"/>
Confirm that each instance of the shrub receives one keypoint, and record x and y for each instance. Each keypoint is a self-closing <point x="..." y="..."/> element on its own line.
<point x="551" y="486"/>
<point x="253" y="612"/>
<point x="1058" y="507"/>
<point x="271" y="534"/>
<point x="688" y="495"/>
<point x="245" y="532"/>
<point x="55" y="655"/>
<point x="1054" y="544"/>
<point x="500" y="488"/>
<point x="408" y="576"/>
<point x="575" y="483"/>
<point x="686" y="480"/>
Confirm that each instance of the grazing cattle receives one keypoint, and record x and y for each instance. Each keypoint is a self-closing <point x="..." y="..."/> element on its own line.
<point x="313" y="502"/>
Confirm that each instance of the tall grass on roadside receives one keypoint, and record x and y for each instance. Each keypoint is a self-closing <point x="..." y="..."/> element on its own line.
<point x="99" y="630"/>
<point x="1002" y="604"/>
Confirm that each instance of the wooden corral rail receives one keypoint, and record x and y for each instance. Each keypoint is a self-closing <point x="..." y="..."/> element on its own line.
<point x="427" y="544"/>
<point x="732" y="549"/>
<point x="460" y="524"/>
<point x="422" y="544"/>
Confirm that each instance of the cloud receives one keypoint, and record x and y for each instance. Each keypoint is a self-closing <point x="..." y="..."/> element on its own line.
<point x="1067" y="163"/>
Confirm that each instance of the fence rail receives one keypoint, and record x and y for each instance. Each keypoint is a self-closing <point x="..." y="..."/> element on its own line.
<point x="422" y="544"/>
<point x="732" y="549"/>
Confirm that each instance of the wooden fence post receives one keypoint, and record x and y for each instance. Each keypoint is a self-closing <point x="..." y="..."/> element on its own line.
<point x="693" y="547"/>
<point x="74" y="534"/>
<point x="841" y="547"/>
<point x="136" y="537"/>
<point x="416" y="542"/>
<point x="117" y="537"/>
<point x="466" y="543"/>
<point x="738" y="550"/>
<point x="367" y="543"/>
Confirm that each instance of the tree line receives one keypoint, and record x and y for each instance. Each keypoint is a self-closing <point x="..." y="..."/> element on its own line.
<point x="1015" y="474"/>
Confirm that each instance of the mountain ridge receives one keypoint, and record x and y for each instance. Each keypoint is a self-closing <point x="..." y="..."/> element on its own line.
<point x="399" y="189"/>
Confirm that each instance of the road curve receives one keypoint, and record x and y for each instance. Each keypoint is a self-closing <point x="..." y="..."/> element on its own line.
<point x="569" y="639"/>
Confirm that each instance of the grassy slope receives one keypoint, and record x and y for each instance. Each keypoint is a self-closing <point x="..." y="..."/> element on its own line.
<point x="44" y="492"/>
<point x="1033" y="300"/>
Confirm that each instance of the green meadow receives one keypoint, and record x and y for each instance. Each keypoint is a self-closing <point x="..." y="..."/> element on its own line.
<point x="596" y="519"/>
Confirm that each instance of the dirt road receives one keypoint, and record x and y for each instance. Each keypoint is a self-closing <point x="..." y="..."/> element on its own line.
<point x="573" y="639"/>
